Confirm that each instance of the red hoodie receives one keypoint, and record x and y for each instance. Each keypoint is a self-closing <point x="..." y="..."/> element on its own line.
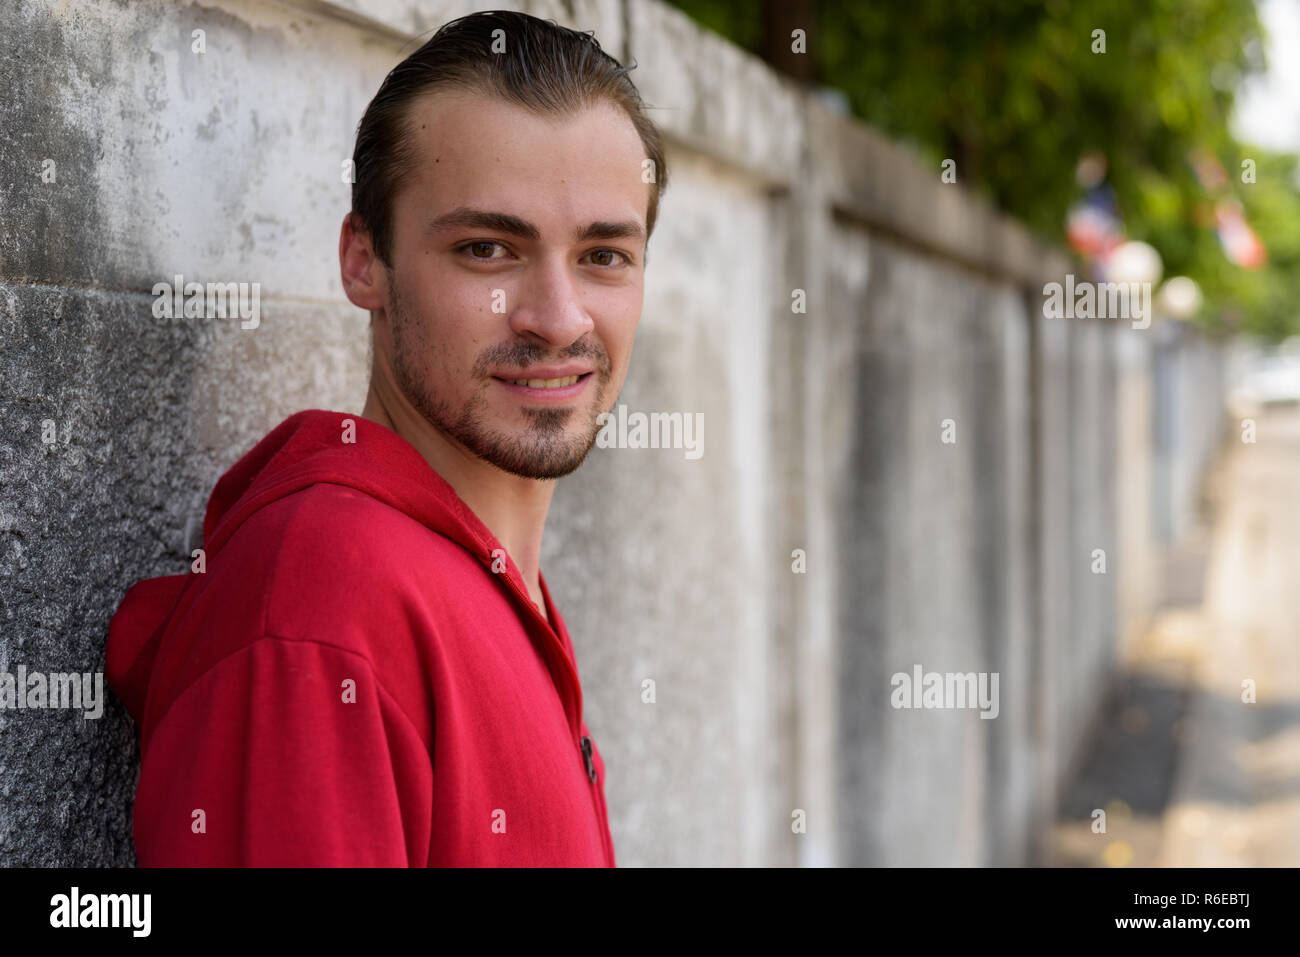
<point x="348" y="682"/>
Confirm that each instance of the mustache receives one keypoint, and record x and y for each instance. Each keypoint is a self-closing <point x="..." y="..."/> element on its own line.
<point x="523" y="354"/>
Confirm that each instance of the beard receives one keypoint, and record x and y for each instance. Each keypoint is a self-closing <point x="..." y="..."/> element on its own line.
<point x="545" y="448"/>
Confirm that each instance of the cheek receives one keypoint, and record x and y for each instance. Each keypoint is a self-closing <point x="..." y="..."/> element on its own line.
<point x="458" y="315"/>
<point x="616" y="314"/>
<point x="457" y="298"/>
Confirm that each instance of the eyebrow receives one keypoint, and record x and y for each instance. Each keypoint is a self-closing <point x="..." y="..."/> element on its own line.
<point x="468" y="218"/>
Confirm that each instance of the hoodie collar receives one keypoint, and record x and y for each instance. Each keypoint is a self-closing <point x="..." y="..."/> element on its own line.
<point x="317" y="446"/>
<point x="311" y="447"/>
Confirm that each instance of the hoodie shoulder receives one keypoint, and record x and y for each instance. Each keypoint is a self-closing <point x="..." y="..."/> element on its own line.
<point x="332" y="529"/>
<point x="331" y="556"/>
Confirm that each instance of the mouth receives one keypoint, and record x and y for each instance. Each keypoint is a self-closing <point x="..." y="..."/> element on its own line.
<point x="553" y="389"/>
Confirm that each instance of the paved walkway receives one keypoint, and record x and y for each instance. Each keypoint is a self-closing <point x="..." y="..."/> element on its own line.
<point x="1189" y="774"/>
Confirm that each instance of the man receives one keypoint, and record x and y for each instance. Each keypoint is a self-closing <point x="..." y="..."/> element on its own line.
<point x="364" y="665"/>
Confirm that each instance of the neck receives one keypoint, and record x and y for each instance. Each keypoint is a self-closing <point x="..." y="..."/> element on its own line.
<point x="512" y="507"/>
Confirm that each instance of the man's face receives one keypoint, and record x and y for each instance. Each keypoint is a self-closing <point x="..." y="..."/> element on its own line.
<point x="517" y="276"/>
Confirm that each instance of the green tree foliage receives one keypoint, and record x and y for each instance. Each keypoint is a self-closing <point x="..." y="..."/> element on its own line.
<point x="1014" y="91"/>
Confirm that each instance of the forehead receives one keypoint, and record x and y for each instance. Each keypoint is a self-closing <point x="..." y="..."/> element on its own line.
<point x="482" y="152"/>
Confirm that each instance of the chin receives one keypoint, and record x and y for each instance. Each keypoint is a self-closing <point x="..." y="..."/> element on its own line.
<point x="536" y="454"/>
<point x="542" y="468"/>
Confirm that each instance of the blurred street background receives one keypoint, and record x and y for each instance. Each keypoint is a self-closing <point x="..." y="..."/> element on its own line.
<point x="1186" y="774"/>
<point x="1177" y="164"/>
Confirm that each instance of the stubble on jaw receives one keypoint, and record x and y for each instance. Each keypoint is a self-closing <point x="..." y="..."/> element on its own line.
<point x="541" y="450"/>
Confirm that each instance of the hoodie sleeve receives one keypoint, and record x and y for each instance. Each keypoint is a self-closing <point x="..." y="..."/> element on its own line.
<point x="285" y="753"/>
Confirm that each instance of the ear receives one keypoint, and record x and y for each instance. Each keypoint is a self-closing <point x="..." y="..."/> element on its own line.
<point x="365" y="281"/>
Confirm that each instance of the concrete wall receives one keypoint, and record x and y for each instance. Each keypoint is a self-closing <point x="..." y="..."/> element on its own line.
<point x="823" y="431"/>
<point x="1189" y="373"/>
<point x="1137" y="582"/>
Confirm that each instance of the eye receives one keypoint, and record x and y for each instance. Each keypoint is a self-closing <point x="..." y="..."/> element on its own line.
<point x="482" y="249"/>
<point x="609" y="257"/>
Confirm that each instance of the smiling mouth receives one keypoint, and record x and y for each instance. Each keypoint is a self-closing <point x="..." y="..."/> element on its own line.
<point x="559" y="383"/>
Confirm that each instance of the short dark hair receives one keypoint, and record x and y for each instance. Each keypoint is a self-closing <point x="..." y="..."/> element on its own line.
<point x="544" y="67"/>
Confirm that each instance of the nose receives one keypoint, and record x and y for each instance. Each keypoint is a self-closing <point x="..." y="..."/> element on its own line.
<point x="549" y="307"/>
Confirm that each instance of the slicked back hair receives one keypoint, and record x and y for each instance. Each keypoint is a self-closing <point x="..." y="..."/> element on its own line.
<point x="543" y="67"/>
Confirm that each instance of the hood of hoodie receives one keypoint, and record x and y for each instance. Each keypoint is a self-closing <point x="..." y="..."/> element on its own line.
<point x="307" y="448"/>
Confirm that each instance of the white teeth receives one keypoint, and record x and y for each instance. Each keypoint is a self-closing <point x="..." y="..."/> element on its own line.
<point x="546" y="383"/>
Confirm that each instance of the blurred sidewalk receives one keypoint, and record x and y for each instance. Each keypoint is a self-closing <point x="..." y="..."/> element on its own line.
<point x="1189" y="774"/>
